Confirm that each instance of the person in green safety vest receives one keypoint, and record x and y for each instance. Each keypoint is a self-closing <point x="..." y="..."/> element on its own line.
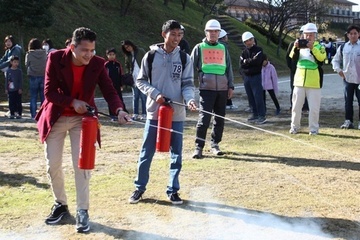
<point x="213" y="64"/>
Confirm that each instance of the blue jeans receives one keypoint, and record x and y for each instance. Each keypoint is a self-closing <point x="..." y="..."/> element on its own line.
<point x="36" y="89"/>
<point x="349" y="91"/>
<point x="148" y="150"/>
<point x="254" y="91"/>
<point x="138" y="95"/>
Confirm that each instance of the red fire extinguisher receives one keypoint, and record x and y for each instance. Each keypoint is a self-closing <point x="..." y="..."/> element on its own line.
<point x="164" y="128"/>
<point x="88" y="138"/>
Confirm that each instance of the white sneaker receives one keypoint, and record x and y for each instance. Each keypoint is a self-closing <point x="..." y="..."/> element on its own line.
<point x="312" y="133"/>
<point x="293" y="130"/>
<point x="135" y="117"/>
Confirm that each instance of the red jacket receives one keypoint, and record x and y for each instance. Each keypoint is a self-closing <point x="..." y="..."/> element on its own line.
<point x="58" y="85"/>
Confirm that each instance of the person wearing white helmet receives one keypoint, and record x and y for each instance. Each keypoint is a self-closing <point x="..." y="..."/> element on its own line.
<point x="250" y="63"/>
<point x="212" y="62"/>
<point x="291" y="63"/>
<point x="310" y="55"/>
<point x="223" y="38"/>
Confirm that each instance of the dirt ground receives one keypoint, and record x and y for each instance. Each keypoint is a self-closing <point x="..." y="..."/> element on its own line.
<point x="209" y="219"/>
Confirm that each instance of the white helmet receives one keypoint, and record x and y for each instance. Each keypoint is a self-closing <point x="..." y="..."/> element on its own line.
<point x="213" y="24"/>
<point x="246" y="36"/>
<point x="302" y="29"/>
<point x="182" y="28"/>
<point x="310" y="28"/>
<point x="222" y="34"/>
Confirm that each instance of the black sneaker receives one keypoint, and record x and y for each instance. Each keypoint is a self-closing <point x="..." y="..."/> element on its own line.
<point x="174" y="198"/>
<point x="58" y="211"/>
<point x="135" y="197"/>
<point x="82" y="221"/>
<point x="216" y="150"/>
<point x="198" y="153"/>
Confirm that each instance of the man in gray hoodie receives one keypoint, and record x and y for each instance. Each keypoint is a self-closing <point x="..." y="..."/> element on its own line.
<point x="168" y="79"/>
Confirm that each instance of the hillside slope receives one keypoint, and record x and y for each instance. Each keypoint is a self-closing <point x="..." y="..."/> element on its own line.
<point x="142" y="25"/>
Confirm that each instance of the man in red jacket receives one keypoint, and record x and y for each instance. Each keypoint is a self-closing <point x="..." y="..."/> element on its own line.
<point x="70" y="79"/>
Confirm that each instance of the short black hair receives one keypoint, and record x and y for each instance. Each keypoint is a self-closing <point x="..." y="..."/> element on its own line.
<point x="49" y="42"/>
<point x="34" y="43"/>
<point x="110" y="50"/>
<point x="170" y="25"/>
<point x="352" y="27"/>
<point x="128" y="43"/>
<point x="12" y="39"/>
<point x="14" y="57"/>
<point x="81" y="34"/>
<point x="67" y="42"/>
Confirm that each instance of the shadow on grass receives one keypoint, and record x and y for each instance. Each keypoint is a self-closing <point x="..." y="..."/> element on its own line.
<point x="124" y="234"/>
<point x="17" y="180"/>
<point x="338" y="228"/>
<point x="297" y="162"/>
<point x="110" y="231"/>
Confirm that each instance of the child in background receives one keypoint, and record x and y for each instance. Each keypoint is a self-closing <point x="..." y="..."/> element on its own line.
<point x="270" y="82"/>
<point x="115" y="71"/>
<point x="13" y="87"/>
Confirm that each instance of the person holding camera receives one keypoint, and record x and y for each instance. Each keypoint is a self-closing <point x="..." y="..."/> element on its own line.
<point x="310" y="55"/>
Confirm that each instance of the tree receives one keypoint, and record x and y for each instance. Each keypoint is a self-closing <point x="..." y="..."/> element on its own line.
<point x="26" y="14"/>
<point x="124" y="7"/>
<point x="183" y="4"/>
<point x="278" y="16"/>
<point x="209" y="6"/>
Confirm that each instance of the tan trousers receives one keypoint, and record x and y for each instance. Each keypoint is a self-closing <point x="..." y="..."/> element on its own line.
<point x="54" y="146"/>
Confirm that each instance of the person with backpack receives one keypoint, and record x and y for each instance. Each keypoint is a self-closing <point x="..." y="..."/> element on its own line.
<point x="164" y="76"/>
<point x="212" y="62"/>
<point x="346" y="63"/>
<point x="310" y="55"/>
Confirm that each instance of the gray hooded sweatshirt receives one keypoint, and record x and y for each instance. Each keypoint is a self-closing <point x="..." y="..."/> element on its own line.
<point x="35" y="62"/>
<point x="167" y="78"/>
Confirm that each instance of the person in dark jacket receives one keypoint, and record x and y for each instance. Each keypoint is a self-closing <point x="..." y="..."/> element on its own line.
<point x="183" y="44"/>
<point x="72" y="75"/>
<point x="13" y="87"/>
<point x="11" y="49"/>
<point x="251" y="60"/>
<point x="291" y="63"/>
<point x="115" y="71"/>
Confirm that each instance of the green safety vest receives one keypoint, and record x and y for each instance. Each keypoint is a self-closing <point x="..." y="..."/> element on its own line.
<point x="213" y="58"/>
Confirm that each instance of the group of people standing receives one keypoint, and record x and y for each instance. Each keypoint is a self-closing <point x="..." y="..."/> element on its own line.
<point x="35" y="61"/>
<point x="165" y="72"/>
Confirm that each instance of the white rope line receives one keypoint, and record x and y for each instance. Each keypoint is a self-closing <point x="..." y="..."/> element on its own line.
<point x="292" y="178"/>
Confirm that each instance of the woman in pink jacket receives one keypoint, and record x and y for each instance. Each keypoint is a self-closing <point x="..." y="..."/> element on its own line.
<point x="270" y="82"/>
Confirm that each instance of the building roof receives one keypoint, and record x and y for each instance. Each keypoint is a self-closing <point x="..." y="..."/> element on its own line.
<point x="345" y="2"/>
<point x="243" y="3"/>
